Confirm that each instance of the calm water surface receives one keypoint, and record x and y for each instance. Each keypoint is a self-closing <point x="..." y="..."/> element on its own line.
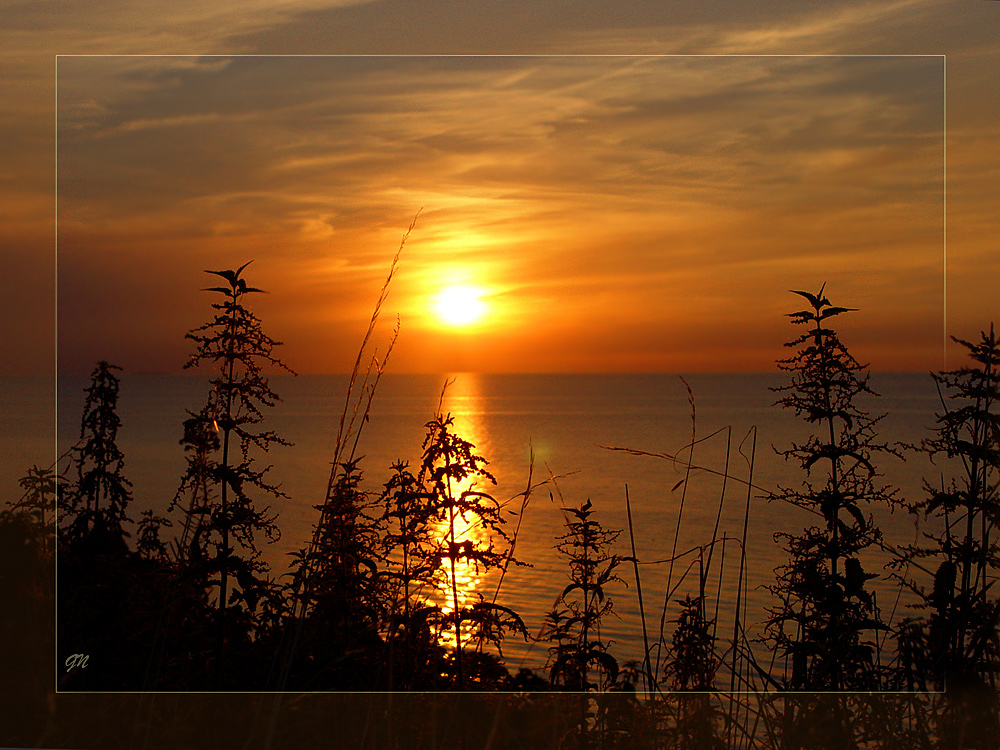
<point x="568" y="423"/>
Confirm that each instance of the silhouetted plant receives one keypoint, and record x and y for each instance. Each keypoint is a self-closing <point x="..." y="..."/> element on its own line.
<point x="574" y="624"/>
<point x="94" y="507"/>
<point x="234" y="343"/>
<point x="692" y="666"/>
<point x="448" y="465"/>
<point x="408" y="536"/>
<point x="38" y="503"/>
<point x="197" y="487"/>
<point x="957" y="644"/>
<point x="409" y="547"/>
<point x="27" y="575"/>
<point x="33" y="514"/>
<point x="108" y="594"/>
<point x="148" y="543"/>
<point x="827" y="617"/>
<point x="186" y="636"/>
<point x="345" y="592"/>
<point x="357" y="405"/>
<point x="423" y="547"/>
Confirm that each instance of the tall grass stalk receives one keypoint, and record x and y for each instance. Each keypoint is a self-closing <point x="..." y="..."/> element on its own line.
<point x="705" y="558"/>
<point x="650" y="681"/>
<point x="689" y="468"/>
<point x="718" y="585"/>
<point x="349" y="429"/>
<point x="525" y="497"/>
<point x="346" y="429"/>
<point x="677" y="527"/>
<point x="739" y="618"/>
<point x="722" y="499"/>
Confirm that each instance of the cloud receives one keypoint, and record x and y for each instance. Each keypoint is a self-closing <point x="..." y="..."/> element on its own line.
<point x="593" y="183"/>
<point x="557" y="165"/>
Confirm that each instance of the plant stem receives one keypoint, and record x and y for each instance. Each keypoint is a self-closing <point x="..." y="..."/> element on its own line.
<point x="647" y="673"/>
<point x="227" y="428"/>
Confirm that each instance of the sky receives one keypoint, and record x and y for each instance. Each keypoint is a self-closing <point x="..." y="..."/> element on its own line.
<point x="613" y="213"/>
<point x="625" y="191"/>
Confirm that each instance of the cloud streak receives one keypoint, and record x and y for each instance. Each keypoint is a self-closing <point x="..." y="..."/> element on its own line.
<point x="586" y="186"/>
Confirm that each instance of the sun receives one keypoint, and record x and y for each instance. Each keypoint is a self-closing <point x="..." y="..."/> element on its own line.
<point x="460" y="305"/>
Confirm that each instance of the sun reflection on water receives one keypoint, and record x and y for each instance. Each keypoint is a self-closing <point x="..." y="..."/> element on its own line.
<point x="463" y="401"/>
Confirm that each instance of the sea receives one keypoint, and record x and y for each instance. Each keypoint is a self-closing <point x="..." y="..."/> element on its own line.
<point x="695" y="456"/>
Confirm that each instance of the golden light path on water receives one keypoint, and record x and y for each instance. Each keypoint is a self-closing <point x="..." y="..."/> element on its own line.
<point x="463" y="401"/>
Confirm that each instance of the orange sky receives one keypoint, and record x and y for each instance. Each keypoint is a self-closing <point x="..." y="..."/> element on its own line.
<point x="618" y="213"/>
<point x="639" y="213"/>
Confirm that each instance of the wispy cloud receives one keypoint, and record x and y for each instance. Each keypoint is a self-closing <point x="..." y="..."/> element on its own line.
<point x="587" y="187"/>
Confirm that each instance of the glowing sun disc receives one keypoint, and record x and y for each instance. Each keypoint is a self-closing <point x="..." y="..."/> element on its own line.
<point x="459" y="305"/>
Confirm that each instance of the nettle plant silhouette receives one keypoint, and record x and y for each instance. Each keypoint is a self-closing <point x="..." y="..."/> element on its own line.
<point x="409" y="547"/>
<point x="408" y="514"/>
<point x="105" y="591"/>
<point x="693" y="663"/>
<point x="692" y="668"/>
<point x="221" y="512"/>
<point x="340" y="577"/>
<point x="473" y="525"/>
<point x="574" y="624"/>
<point x="94" y="507"/>
<point x="38" y="502"/>
<point x="827" y="619"/>
<point x="958" y="643"/>
<point x="197" y="488"/>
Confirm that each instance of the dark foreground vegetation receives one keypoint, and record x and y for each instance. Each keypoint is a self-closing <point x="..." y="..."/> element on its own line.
<point x="152" y="608"/>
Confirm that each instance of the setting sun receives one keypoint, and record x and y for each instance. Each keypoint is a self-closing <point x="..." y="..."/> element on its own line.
<point x="459" y="305"/>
